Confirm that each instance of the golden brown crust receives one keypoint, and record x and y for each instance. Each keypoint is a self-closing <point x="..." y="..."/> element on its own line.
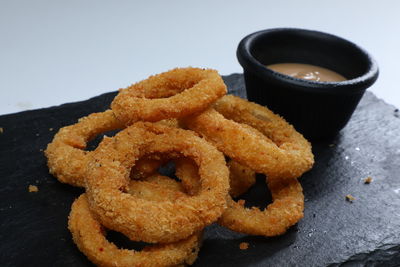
<point x="241" y="178"/>
<point x="66" y="156"/>
<point x="287" y="155"/>
<point x="271" y="125"/>
<point x="108" y="177"/>
<point x="257" y="138"/>
<point x="173" y="94"/>
<point x="285" y="210"/>
<point x="89" y="235"/>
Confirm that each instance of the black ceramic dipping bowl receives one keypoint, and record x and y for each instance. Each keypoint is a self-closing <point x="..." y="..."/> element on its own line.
<point x="319" y="110"/>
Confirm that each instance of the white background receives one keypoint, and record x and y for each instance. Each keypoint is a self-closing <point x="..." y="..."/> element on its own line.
<point x="52" y="52"/>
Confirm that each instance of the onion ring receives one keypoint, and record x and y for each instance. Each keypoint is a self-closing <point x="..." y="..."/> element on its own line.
<point x="252" y="148"/>
<point x="173" y="94"/>
<point x="89" y="235"/>
<point x="285" y="210"/>
<point x="108" y="176"/>
<point x="264" y="120"/>
<point x="66" y="157"/>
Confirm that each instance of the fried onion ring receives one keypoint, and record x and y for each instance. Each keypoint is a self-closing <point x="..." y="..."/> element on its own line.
<point x="66" y="157"/>
<point x="173" y="94"/>
<point x="108" y="177"/>
<point x="268" y="123"/>
<point x="252" y="148"/>
<point x="89" y="235"/>
<point x="66" y="154"/>
<point x="285" y="210"/>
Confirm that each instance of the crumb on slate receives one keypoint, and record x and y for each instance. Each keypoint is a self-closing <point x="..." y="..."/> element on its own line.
<point x="50" y="129"/>
<point x="331" y="145"/>
<point x="244" y="245"/>
<point x="350" y="198"/>
<point x="1" y="130"/>
<point x="368" y="180"/>
<point x="33" y="188"/>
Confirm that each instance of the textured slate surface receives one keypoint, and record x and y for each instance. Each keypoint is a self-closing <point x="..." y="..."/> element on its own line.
<point x="334" y="232"/>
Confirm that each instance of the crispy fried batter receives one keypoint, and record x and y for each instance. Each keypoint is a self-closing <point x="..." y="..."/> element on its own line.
<point x="172" y="94"/>
<point x="286" y="155"/>
<point x="107" y="179"/>
<point x="285" y="210"/>
<point x="240" y="178"/>
<point x="89" y="235"/>
<point x="66" y="156"/>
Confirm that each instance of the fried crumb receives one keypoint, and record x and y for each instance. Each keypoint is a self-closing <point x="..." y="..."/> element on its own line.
<point x="51" y="129"/>
<point x="350" y="198"/>
<point x="331" y="145"/>
<point x="244" y="245"/>
<point x="241" y="202"/>
<point x="368" y="180"/>
<point x="41" y="150"/>
<point x="33" y="188"/>
<point x="1" y="130"/>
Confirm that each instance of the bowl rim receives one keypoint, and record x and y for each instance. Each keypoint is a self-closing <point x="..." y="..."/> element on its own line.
<point x="355" y="85"/>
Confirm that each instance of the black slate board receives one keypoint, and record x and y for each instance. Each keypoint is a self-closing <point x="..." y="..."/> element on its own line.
<point x="334" y="232"/>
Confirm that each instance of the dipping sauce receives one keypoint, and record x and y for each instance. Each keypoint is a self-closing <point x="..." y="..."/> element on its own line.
<point x="307" y="72"/>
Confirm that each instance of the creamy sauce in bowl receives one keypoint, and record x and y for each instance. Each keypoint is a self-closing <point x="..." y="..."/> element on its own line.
<point x="307" y="72"/>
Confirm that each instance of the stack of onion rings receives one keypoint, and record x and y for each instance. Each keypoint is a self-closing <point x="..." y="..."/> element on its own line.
<point x="125" y="193"/>
<point x="261" y="140"/>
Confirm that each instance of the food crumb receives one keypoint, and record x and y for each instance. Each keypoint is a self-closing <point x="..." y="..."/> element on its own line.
<point x="1" y="130"/>
<point x="241" y="202"/>
<point x="368" y="180"/>
<point x="244" y="245"/>
<point x="37" y="134"/>
<point x="33" y="188"/>
<point x="331" y="145"/>
<point x="50" y="129"/>
<point x="41" y="150"/>
<point x="350" y="198"/>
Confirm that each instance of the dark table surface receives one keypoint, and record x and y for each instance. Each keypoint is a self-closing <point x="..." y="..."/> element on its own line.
<point x="333" y="232"/>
